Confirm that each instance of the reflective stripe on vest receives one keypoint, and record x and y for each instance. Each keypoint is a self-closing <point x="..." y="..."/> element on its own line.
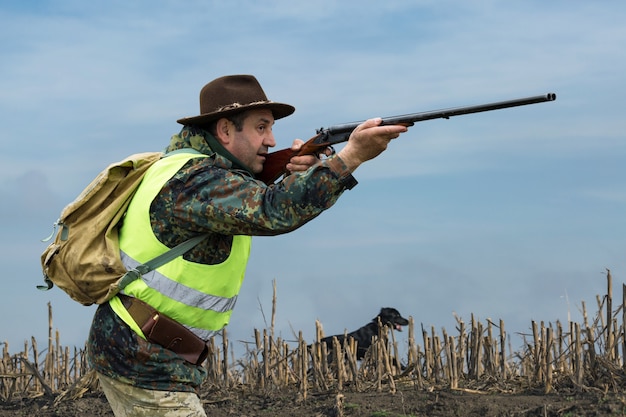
<point x="200" y="297"/>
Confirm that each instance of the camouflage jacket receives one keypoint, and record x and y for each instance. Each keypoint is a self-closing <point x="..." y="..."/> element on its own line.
<point x="218" y="196"/>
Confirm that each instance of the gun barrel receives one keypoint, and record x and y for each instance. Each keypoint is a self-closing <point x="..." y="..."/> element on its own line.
<point x="410" y="119"/>
<point x="457" y="111"/>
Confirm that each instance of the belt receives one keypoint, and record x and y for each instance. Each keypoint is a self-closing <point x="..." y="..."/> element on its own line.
<point x="162" y="330"/>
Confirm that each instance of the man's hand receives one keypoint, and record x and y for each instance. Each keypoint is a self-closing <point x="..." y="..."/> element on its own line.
<point x="303" y="162"/>
<point x="368" y="141"/>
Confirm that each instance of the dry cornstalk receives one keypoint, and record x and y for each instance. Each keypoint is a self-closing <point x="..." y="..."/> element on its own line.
<point x="536" y="353"/>
<point x="224" y="367"/>
<point x="274" y="299"/>
<point x="448" y="372"/>
<point x="428" y="359"/>
<point x="436" y="349"/>
<point x="503" y="367"/>
<point x="337" y="362"/>
<point x="609" y="315"/>
<point x="578" y="351"/>
<point x="624" y="326"/>
<point x="303" y="368"/>
<point x="475" y="347"/>
<point x="461" y="350"/>
<point x="548" y="361"/>
<point x="352" y="362"/>
<point x="266" y="356"/>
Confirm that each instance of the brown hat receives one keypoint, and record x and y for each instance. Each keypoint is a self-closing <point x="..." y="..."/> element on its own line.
<point x="233" y="94"/>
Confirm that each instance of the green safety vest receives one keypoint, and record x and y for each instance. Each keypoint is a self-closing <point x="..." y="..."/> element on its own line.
<point x="200" y="297"/>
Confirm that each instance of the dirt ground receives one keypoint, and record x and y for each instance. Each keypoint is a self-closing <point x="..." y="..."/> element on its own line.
<point x="405" y="402"/>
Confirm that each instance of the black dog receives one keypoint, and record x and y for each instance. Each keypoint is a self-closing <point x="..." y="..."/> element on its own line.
<point x="363" y="336"/>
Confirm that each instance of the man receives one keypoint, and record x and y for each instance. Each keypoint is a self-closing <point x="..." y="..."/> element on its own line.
<point x="147" y="344"/>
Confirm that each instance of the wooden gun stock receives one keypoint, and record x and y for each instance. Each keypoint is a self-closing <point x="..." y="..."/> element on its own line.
<point x="276" y="162"/>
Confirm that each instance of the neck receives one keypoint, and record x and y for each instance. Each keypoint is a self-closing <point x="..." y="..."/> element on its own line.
<point x="220" y="149"/>
<point x="203" y="141"/>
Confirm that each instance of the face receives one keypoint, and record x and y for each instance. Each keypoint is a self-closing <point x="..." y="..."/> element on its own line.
<point x="252" y="143"/>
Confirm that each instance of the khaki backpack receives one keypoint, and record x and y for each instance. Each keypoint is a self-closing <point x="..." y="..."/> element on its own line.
<point x="84" y="258"/>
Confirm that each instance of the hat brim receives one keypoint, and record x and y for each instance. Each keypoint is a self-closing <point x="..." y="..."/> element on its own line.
<point x="279" y="110"/>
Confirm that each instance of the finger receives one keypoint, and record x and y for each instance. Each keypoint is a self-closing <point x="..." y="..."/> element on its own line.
<point x="369" y="123"/>
<point x="304" y="160"/>
<point x="301" y="163"/>
<point x="394" y="131"/>
<point x="297" y="144"/>
<point x="297" y="167"/>
<point x="329" y="151"/>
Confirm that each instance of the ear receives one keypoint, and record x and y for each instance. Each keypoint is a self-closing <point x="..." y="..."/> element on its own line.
<point x="223" y="129"/>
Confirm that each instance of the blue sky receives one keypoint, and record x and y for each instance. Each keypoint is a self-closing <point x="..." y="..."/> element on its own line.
<point x="513" y="215"/>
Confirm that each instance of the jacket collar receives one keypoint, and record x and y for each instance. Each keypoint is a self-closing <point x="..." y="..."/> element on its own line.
<point x="203" y="141"/>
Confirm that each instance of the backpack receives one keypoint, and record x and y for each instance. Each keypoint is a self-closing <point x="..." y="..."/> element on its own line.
<point x="84" y="258"/>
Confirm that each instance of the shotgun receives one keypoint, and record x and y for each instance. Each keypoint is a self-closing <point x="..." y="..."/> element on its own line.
<point x="275" y="162"/>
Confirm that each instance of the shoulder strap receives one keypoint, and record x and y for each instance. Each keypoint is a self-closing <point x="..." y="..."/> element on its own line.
<point x="183" y="150"/>
<point x="160" y="260"/>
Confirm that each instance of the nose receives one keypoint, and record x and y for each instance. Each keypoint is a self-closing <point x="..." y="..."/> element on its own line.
<point x="269" y="141"/>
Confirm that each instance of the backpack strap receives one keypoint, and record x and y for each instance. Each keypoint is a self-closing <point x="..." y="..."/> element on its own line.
<point x="160" y="260"/>
<point x="183" y="150"/>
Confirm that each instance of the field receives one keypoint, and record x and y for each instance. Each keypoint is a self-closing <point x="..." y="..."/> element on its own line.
<point x="410" y="402"/>
<point x="572" y="369"/>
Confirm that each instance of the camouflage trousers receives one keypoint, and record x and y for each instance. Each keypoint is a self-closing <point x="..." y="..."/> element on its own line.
<point x="129" y="401"/>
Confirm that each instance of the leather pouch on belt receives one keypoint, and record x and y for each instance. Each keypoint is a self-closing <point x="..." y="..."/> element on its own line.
<point x="171" y="335"/>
